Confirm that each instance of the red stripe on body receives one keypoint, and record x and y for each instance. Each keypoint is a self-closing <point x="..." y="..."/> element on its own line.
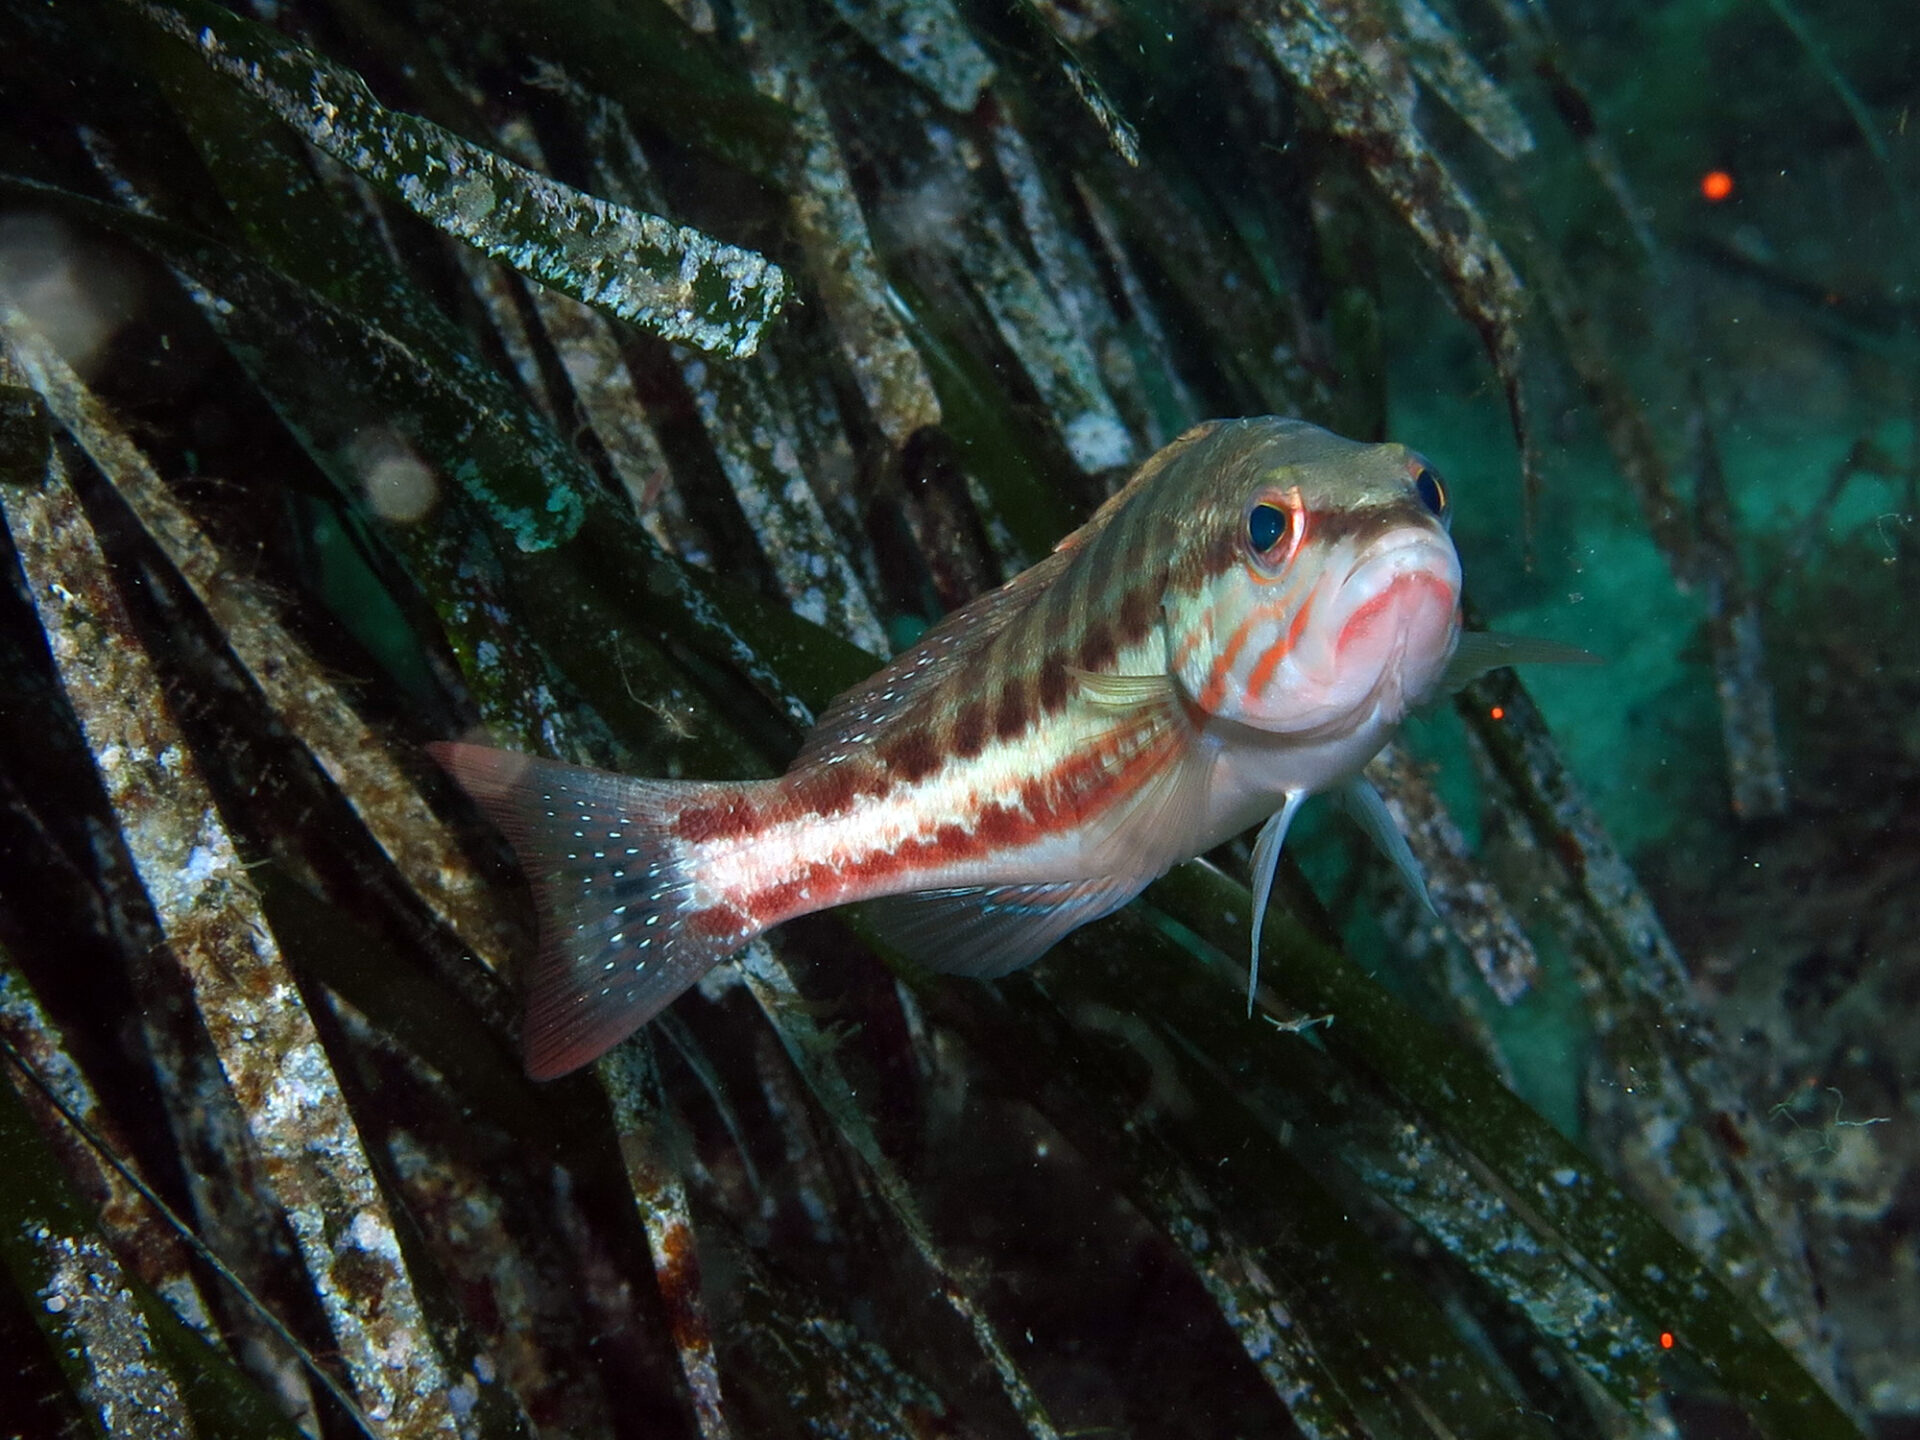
<point x="1070" y="794"/>
<point x="831" y="789"/>
<point x="727" y="819"/>
<point x="1137" y="610"/>
<point x="911" y="754"/>
<point x="716" y="922"/>
<point x="970" y="729"/>
<point x="1096" y="648"/>
<point x="1010" y="719"/>
<point x="789" y="897"/>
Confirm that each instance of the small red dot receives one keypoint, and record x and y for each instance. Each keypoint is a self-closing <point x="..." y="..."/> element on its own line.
<point x="1498" y="712"/>
<point x="1666" y="1339"/>
<point x="1716" y="185"/>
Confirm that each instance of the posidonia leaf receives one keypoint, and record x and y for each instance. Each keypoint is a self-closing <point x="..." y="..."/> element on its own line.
<point x="310" y="1150"/>
<point x="1336" y="1334"/>
<point x="1325" y="63"/>
<point x="533" y="490"/>
<point x="138" y="1369"/>
<point x="670" y="279"/>
<point x="927" y="40"/>
<point x="1579" y="1211"/>
<point x="1094" y="1197"/>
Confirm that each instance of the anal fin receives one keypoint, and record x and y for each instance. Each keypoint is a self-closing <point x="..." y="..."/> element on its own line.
<point x="988" y="931"/>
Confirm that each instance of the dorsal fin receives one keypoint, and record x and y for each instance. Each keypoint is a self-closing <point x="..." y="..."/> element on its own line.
<point x="1138" y="481"/>
<point x="914" y="682"/>
<point x="912" y="675"/>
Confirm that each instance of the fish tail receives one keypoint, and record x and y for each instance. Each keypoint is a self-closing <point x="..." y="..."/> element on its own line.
<point x="626" y="924"/>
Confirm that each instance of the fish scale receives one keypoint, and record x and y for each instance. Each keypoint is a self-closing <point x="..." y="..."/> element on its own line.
<point x="1156" y="685"/>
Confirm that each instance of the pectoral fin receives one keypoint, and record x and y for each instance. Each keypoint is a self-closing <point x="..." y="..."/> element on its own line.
<point x="1369" y="811"/>
<point x="1124" y="692"/>
<point x="1482" y="650"/>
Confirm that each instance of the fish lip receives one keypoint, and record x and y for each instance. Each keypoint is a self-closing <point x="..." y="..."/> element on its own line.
<point x="1398" y="544"/>
<point x="1404" y="552"/>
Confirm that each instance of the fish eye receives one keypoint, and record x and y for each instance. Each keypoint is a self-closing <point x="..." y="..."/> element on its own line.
<point x="1432" y="490"/>
<point x="1267" y="526"/>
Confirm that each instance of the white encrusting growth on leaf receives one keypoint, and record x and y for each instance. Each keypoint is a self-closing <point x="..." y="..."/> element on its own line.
<point x="927" y="40"/>
<point x="268" y="1048"/>
<point x="671" y="279"/>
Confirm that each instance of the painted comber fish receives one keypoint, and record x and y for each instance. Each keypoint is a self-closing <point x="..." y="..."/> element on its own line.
<point x="1245" y="624"/>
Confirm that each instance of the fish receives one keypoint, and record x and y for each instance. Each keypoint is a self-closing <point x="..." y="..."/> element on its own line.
<point x="1244" y="624"/>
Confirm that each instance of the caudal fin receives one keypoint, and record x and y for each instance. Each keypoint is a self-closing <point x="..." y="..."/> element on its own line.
<point x="624" y="928"/>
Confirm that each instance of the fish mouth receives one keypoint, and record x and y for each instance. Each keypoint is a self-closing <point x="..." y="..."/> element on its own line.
<point x="1371" y="637"/>
<point x="1398" y="613"/>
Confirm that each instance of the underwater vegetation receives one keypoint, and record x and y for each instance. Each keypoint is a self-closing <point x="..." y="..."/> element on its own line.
<point x="619" y="382"/>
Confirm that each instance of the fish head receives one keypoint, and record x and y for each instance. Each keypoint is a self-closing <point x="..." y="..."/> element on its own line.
<point x="1336" y="606"/>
